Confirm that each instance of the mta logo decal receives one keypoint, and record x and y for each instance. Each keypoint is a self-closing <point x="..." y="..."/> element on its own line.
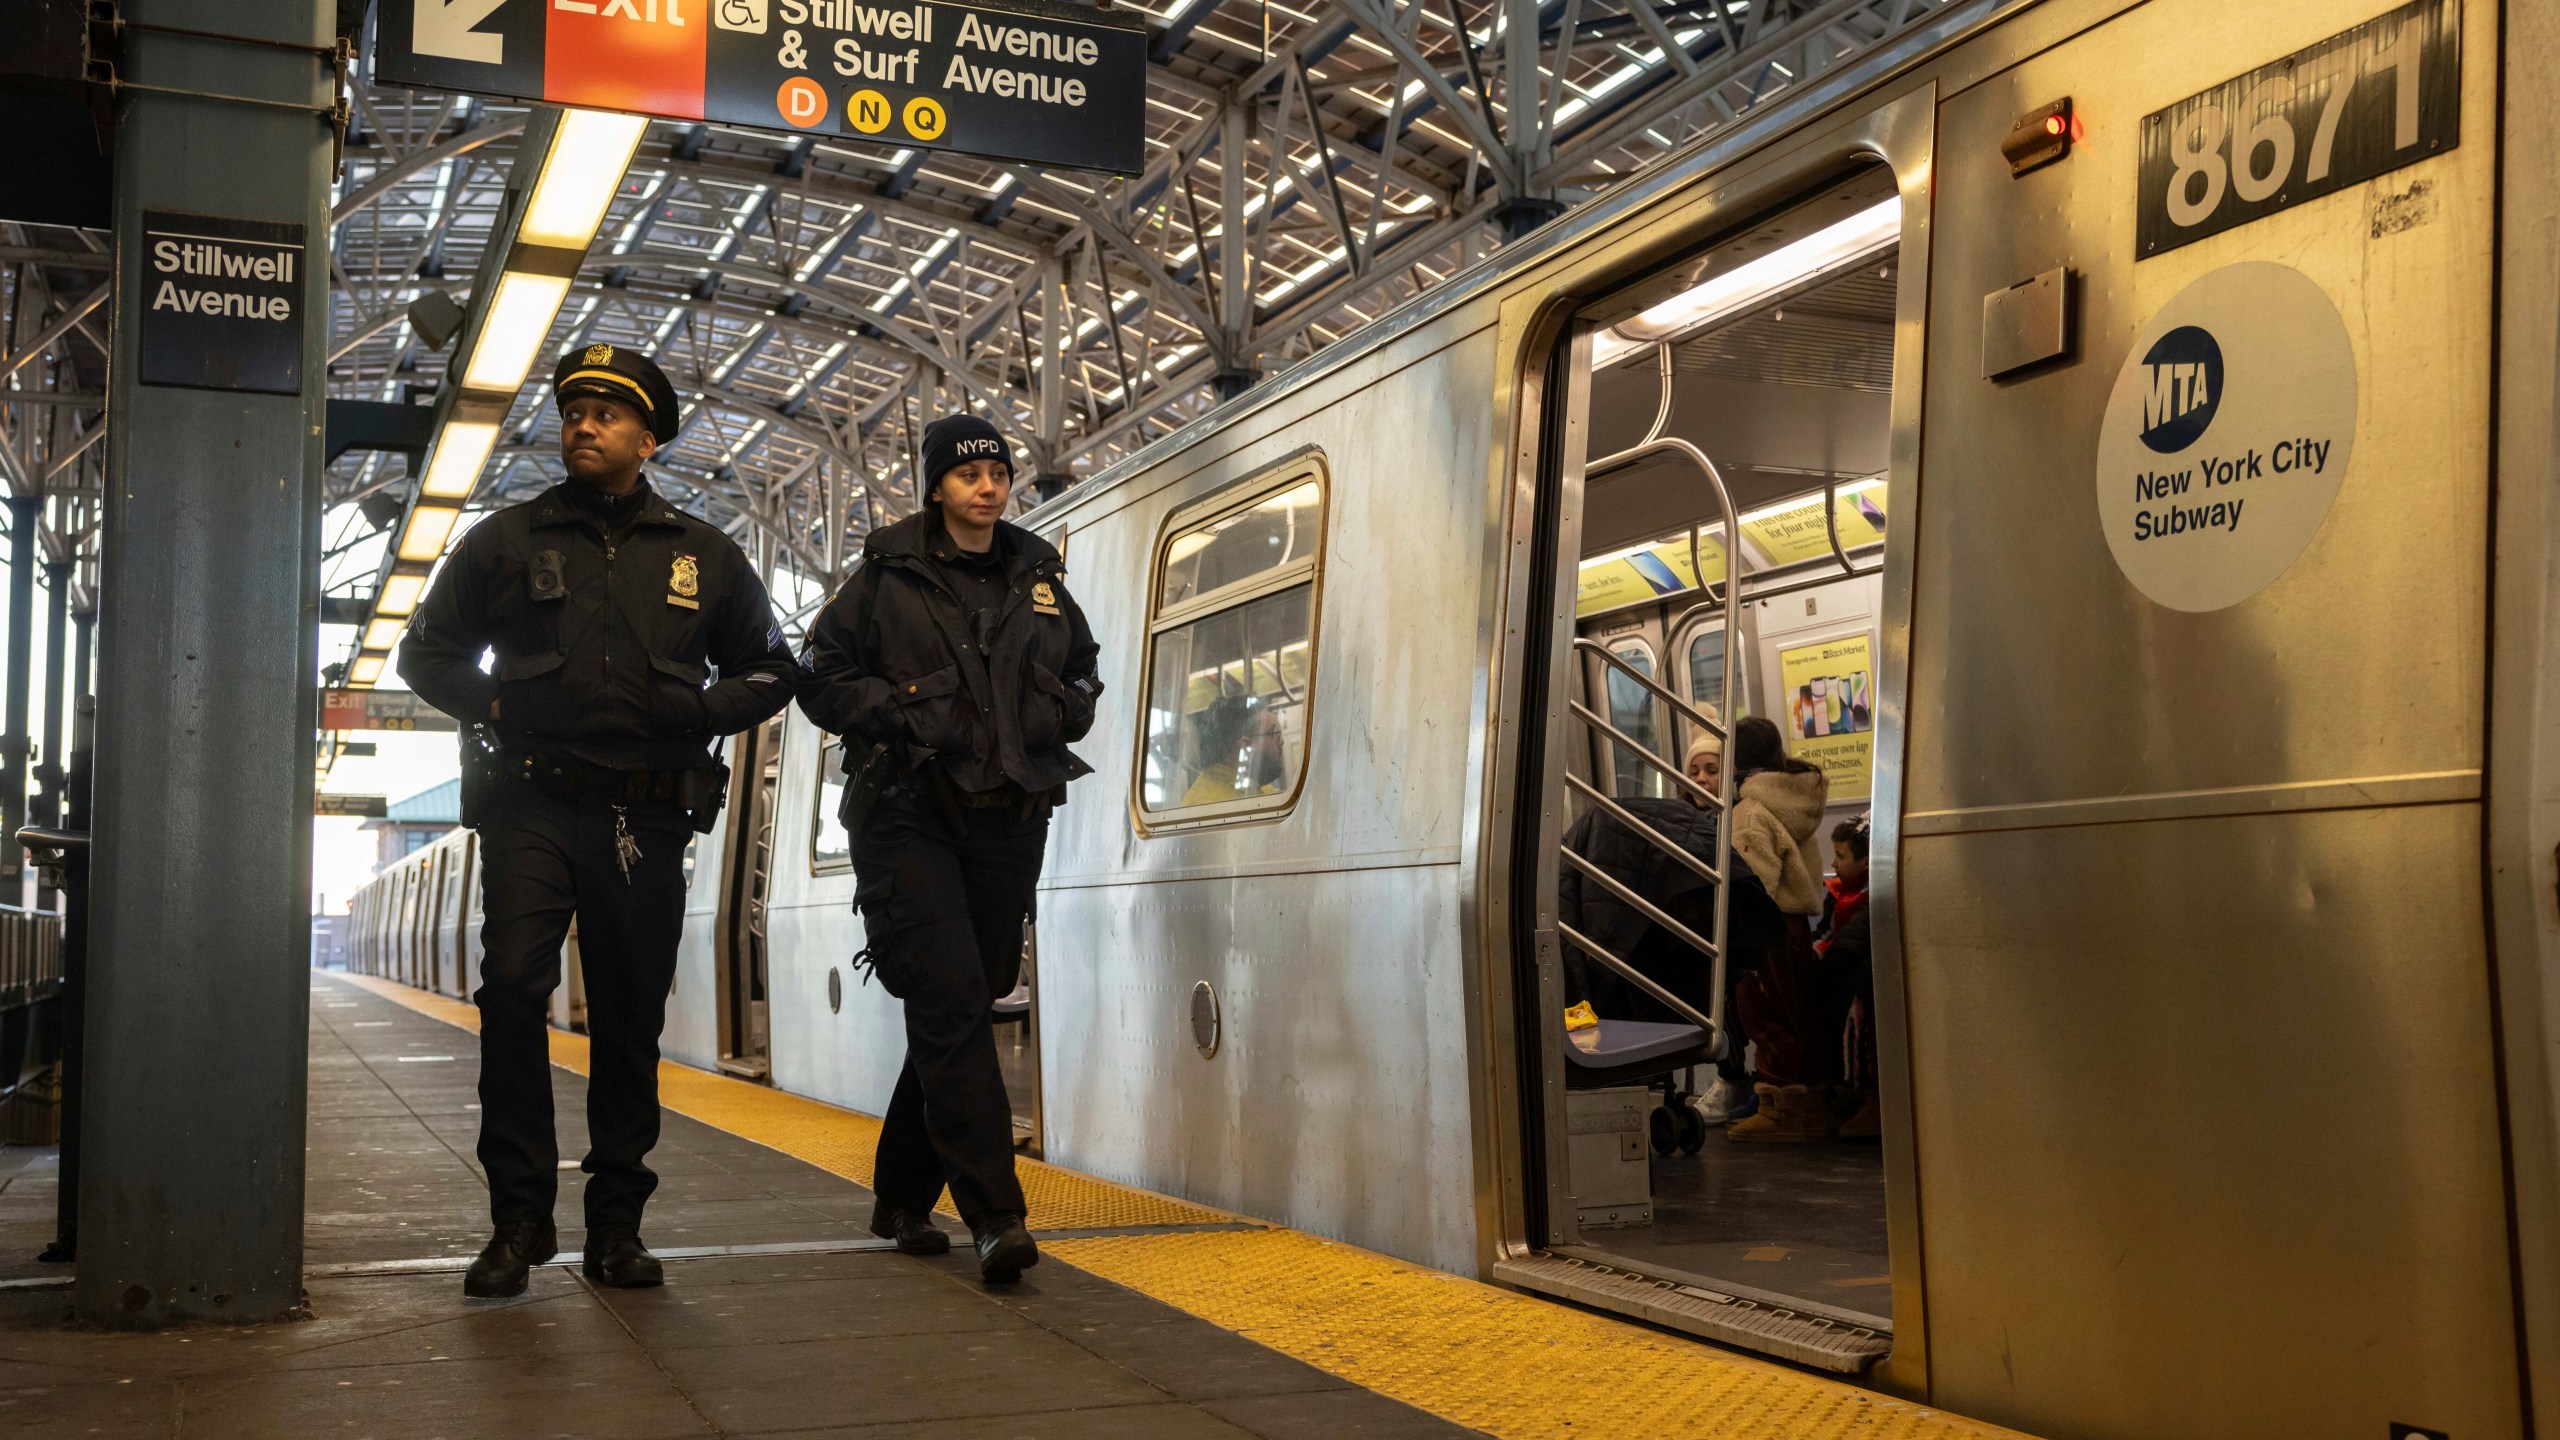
<point x="2185" y="389"/>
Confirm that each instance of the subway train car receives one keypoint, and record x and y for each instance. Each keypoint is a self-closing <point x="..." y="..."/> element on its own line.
<point x="2115" y="442"/>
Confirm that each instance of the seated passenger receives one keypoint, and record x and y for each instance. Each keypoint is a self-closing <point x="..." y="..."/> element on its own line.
<point x="1241" y="751"/>
<point x="1848" y="970"/>
<point x="1629" y="858"/>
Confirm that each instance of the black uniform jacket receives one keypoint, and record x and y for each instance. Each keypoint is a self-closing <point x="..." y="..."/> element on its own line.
<point x="603" y="644"/>
<point x="893" y="659"/>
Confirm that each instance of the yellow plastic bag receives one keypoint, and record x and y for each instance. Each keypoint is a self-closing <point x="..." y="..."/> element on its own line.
<point x="1580" y="1017"/>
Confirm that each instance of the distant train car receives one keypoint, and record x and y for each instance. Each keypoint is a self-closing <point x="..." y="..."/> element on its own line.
<point x="2086" y="428"/>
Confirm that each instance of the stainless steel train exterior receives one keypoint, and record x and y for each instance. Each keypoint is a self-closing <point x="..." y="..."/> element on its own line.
<point x="2218" y="957"/>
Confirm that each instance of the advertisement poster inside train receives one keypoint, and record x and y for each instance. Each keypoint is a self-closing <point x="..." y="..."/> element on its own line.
<point x="1793" y="532"/>
<point x="1648" y="572"/>
<point x="1828" y="698"/>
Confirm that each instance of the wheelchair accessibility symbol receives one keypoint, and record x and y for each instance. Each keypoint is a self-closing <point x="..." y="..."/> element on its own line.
<point x="747" y="17"/>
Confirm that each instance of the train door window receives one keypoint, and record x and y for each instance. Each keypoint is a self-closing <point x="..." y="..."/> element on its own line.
<point x="1706" y="669"/>
<point x="1742" y="395"/>
<point x="830" y="848"/>
<point x="1231" y="650"/>
<point x="1631" y="709"/>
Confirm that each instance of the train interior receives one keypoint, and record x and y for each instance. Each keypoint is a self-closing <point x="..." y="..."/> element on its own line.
<point x="1770" y="358"/>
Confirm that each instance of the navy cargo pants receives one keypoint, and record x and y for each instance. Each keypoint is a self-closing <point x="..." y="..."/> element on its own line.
<point x="544" y="861"/>
<point x="942" y="912"/>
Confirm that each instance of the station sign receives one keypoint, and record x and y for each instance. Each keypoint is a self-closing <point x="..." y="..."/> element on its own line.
<point x="380" y="710"/>
<point x="221" y="303"/>
<point x="1025" y="80"/>
<point x="2359" y="104"/>
<point x="359" y="807"/>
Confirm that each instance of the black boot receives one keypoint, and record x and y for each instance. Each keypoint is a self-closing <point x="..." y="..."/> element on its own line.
<point x="914" y="1236"/>
<point x="1004" y="1249"/>
<point x="616" y="1257"/>
<point x="513" y="1251"/>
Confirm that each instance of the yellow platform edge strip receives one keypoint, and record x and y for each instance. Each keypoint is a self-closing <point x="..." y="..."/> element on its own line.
<point x="1478" y="1355"/>
<point x="836" y="1140"/>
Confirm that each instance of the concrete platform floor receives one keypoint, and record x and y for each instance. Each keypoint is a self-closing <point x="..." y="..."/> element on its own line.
<point x="806" y="1327"/>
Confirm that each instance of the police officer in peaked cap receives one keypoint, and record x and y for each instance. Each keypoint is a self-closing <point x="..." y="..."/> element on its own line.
<point x="628" y="638"/>
<point x="958" y="669"/>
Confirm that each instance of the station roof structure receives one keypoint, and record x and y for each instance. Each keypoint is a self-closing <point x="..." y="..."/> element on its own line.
<point x="1310" y="164"/>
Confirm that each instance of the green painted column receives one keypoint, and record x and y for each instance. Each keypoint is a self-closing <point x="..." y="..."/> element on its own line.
<point x="198" y="1007"/>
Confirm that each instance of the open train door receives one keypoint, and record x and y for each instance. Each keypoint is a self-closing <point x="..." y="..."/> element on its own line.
<point x="755" y="771"/>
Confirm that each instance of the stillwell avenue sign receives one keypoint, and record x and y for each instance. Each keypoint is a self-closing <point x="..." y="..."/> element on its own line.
<point x="1023" y="80"/>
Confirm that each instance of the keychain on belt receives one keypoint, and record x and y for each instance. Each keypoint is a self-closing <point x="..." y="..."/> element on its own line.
<point x="626" y="849"/>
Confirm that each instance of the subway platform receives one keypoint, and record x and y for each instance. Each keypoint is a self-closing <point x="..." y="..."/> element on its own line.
<point x="1148" y="1317"/>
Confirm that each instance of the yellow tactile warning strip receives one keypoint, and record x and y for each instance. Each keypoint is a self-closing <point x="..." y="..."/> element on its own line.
<point x="836" y="1140"/>
<point x="1509" y="1364"/>
<point x="1501" y="1362"/>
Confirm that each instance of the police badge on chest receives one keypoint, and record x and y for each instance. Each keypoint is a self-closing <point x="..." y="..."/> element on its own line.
<point x="684" y="583"/>
<point x="1044" y="600"/>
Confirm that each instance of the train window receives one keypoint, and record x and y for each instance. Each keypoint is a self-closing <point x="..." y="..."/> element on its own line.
<point x="1706" y="670"/>
<point x="1231" y="649"/>
<point x="1631" y="709"/>
<point x="830" y="848"/>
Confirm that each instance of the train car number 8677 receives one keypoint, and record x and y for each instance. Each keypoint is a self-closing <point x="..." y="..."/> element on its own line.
<point x="2361" y="103"/>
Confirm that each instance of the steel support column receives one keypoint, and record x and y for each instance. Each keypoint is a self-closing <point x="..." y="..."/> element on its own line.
<point x="1234" y="346"/>
<point x="47" y="810"/>
<point x="26" y="515"/>
<point x="198" y="1005"/>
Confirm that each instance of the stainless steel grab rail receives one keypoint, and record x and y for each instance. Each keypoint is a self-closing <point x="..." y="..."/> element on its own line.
<point x="1638" y="978"/>
<point x="1713" y="1020"/>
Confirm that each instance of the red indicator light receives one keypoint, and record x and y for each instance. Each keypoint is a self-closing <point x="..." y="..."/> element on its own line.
<point x="2040" y="137"/>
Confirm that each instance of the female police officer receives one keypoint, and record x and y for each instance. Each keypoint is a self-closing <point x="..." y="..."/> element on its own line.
<point x="957" y="668"/>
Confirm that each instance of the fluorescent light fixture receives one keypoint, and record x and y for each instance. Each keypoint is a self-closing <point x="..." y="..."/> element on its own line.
<point x="1750" y="284"/>
<point x="453" y="471"/>
<point x="429" y="525"/>
<point x="400" y="595"/>
<point x="519" y="320"/>
<point x="366" y="670"/>
<point x="579" y="178"/>
<point x="383" y="633"/>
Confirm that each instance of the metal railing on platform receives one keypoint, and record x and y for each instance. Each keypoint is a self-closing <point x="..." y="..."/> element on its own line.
<point x="47" y="948"/>
<point x="30" y="957"/>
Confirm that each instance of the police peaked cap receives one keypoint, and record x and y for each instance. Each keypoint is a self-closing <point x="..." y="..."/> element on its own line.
<point x="619" y="372"/>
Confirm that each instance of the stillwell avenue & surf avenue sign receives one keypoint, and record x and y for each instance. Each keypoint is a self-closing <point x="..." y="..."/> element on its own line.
<point x="1025" y="80"/>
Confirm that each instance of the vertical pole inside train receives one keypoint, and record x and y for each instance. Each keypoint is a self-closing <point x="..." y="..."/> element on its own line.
<point x="192" y="1120"/>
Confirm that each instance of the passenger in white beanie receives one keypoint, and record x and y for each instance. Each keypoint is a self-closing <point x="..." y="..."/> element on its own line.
<point x="1705" y="764"/>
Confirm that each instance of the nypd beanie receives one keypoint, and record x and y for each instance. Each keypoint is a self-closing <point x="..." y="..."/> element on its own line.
<point x="955" y="440"/>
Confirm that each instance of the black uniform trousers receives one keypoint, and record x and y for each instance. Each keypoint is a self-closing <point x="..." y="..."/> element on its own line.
<point x="942" y="912"/>
<point x="543" y="861"/>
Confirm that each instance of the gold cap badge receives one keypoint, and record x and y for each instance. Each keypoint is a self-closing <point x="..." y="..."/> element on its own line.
<point x="686" y="577"/>
<point x="599" y="355"/>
